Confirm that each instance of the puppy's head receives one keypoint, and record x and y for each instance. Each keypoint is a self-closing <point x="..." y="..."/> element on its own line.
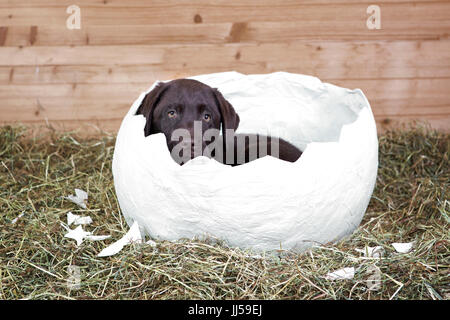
<point x="183" y="105"/>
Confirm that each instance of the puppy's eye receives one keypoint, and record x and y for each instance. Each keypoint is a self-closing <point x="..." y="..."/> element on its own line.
<point x="206" y="117"/>
<point x="171" y="114"/>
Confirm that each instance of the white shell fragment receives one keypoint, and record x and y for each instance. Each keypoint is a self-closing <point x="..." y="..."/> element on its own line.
<point x="77" y="220"/>
<point x="13" y="221"/>
<point x="267" y="204"/>
<point x="78" y="234"/>
<point x="403" y="247"/>
<point x="80" y="198"/>
<point x="341" y="274"/>
<point x="97" y="238"/>
<point x="133" y="235"/>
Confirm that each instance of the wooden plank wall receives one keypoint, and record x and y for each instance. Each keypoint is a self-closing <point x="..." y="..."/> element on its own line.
<point x="71" y="78"/>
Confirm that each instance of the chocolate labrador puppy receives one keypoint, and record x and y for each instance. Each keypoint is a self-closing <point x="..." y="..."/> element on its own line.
<point x="190" y="114"/>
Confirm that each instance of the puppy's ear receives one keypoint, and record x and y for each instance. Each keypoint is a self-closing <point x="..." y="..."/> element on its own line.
<point x="149" y="103"/>
<point x="230" y="119"/>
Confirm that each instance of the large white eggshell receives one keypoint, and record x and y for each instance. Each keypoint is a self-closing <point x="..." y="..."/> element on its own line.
<point x="266" y="204"/>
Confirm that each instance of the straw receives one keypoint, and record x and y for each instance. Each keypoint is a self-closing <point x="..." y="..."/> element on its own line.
<point x="39" y="170"/>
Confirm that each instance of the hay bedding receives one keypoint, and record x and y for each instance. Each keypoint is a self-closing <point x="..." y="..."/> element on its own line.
<point x="410" y="204"/>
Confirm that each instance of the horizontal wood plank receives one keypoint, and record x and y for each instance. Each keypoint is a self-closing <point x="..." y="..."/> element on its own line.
<point x="57" y="108"/>
<point x="90" y="77"/>
<point x="220" y="33"/>
<point x="412" y="15"/>
<point x="89" y="55"/>
<point x="433" y="91"/>
<point x="393" y="101"/>
<point x="438" y="122"/>
<point x="326" y="59"/>
<point x="146" y="3"/>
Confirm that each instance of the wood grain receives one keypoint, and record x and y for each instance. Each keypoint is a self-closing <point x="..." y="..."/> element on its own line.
<point x="390" y="99"/>
<point x="329" y="59"/>
<point x="70" y="78"/>
<point x="217" y="33"/>
<point x="170" y="12"/>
